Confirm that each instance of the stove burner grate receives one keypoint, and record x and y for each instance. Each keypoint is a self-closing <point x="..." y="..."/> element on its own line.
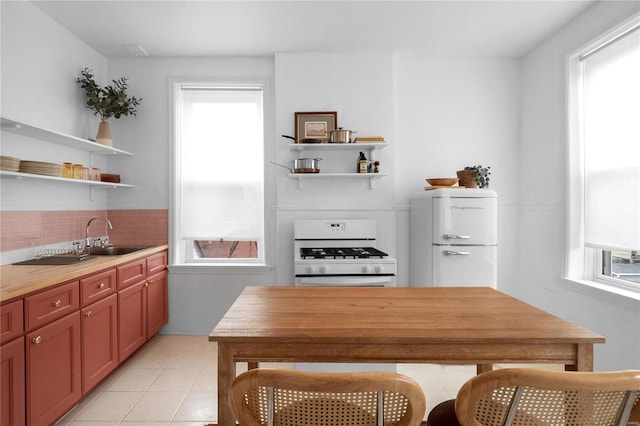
<point x="341" y="253"/>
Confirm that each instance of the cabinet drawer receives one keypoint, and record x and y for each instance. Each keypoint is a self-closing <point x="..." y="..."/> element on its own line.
<point x="11" y="321"/>
<point x="49" y="305"/>
<point x="156" y="262"/>
<point x="97" y="286"/>
<point x="131" y="273"/>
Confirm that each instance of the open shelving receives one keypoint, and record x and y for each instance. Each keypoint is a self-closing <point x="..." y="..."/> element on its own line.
<point x="58" y="138"/>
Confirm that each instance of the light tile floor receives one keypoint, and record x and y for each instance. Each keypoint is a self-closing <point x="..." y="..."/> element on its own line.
<point x="172" y="381"/>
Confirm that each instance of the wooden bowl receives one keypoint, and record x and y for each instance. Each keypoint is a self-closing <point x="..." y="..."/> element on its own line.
<point x="442" y="181"/>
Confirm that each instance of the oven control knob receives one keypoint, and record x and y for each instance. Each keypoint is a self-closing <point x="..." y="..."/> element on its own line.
<point x="379" y="269"/>
<point x="323" y="269"/>
<point x="366" y="269"/>
<point x="309" y="269"/>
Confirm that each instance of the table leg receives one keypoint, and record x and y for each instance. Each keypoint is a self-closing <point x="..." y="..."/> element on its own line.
<point x="483" y="368"/>
<point x="226" y="374"/>
<point x="585" y="357"/>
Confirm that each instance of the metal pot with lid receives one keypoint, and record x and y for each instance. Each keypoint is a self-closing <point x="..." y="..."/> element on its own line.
<point x="340" y="135"/>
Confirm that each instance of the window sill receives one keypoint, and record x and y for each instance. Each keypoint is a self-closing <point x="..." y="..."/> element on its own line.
<point x="225" y="268"/>
<point x="608" y="291"/>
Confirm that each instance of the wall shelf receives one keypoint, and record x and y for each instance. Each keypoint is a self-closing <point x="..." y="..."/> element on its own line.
<point x="371" y="147"/>
<point x="19" y="175"/>
<point x="300" y="147"/>
<point x="59" y="138"/>
<point x="315" y="176"/>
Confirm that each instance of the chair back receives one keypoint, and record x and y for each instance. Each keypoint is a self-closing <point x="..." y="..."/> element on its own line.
<point x="530" y="397"/>
<point x="296" y="398"/>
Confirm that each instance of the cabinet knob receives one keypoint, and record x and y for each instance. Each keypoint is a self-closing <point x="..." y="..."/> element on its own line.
<point x="37" y="339"/>
<point x="101" y="286"/>
<point x="150" y="281"/>
<point x="88" y="314"/>
<point x="146" y="284"/>
<point x="57" y="303"/>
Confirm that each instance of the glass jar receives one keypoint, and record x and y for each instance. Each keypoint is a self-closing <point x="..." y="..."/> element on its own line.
<point x="67" y="170"/>
<point x="77" y="171"/>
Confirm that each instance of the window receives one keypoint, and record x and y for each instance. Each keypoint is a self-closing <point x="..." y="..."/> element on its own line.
<point x="219" y="174"/>
<point x="604" y="159"/>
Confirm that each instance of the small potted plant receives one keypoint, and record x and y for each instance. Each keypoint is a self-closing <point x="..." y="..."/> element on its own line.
<point x="106" y="102"/>
<point x="474" y="176"/>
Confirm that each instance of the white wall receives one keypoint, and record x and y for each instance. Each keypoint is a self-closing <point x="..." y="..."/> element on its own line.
<point x="457" y="112"/>
<point x="40" y="62"/>
<point x="542" y="188"/>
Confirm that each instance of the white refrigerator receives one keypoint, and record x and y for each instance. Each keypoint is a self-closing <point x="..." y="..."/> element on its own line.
<point x="453" y="238"/>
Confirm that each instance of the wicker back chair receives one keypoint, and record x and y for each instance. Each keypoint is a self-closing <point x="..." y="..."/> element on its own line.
<point x="296" y="398"/>
<point x="529" y="397"/>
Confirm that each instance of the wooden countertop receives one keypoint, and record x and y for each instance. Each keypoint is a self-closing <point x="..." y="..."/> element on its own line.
<point x="21" y="280"/>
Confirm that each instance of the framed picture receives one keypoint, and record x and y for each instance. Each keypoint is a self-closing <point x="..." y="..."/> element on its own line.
<point x="315" y="125"/>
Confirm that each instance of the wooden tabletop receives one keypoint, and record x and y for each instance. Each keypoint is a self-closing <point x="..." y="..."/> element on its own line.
<point x="465" y="325"/>
<point x="391" y="315"/>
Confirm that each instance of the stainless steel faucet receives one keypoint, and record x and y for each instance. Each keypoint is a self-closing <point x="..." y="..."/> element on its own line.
<point x="86" y="235"/>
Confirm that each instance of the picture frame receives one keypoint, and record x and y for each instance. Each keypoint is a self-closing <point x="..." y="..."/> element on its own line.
<point x="315" y="125"/>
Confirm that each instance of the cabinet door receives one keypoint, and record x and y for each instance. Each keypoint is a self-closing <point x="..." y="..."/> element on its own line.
<point x="157" y="303"/>
<point x="12" y="411"/>
<point x="53" y="370"/>
<point x="99" y="341"/>
<point x="132" y="319"/>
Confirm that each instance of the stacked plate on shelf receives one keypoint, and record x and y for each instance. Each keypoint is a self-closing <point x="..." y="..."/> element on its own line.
<point x="9" y="164"/>
<point x="41" y="168"/>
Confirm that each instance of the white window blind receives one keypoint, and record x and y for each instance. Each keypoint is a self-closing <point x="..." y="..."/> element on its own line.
<point x="611" y="126"/>
<point x="221" y="165"/>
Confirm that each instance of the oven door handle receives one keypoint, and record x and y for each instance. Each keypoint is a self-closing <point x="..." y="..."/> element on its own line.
<point x="345" y="281"/>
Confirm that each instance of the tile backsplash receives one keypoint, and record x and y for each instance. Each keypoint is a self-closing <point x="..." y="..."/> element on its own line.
<point x="22" y="229"/>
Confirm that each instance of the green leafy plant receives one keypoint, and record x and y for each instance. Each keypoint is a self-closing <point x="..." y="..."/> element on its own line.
<point x="480" y="175"/>
<point x="108" y="101"/>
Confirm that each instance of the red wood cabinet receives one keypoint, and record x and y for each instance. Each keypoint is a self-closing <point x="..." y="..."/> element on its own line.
<point x="11" y="321"/>
<point x="53" y="369"/>
<point x="142" y="307"/>
<point x="132" y="319"/>
<point x="157" y="303"/>
<point x="12" y="372"/>
<point x="77" y="334"/>
<point x="99" y="326"/>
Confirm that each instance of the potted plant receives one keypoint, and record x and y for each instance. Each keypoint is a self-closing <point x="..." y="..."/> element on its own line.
<point x="106" y="102"/>
<point x="474" y="176"/>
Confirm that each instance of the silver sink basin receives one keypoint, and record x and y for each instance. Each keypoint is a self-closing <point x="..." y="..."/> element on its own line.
<point x="114" y="250"/>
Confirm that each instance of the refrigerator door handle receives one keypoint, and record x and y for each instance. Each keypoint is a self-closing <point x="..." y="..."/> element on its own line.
<point x="456" y="253"/>
<point x="455" y="237"/>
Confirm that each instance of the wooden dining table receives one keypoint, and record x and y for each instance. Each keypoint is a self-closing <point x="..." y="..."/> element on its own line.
<point x="442" y="325"/>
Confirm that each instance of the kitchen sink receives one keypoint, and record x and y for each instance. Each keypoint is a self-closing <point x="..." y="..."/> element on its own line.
<point x="114" y="250"/>
<point x="54" y="260"/>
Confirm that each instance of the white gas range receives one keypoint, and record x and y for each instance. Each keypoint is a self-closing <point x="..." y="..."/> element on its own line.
<point x="340" y="253"/>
